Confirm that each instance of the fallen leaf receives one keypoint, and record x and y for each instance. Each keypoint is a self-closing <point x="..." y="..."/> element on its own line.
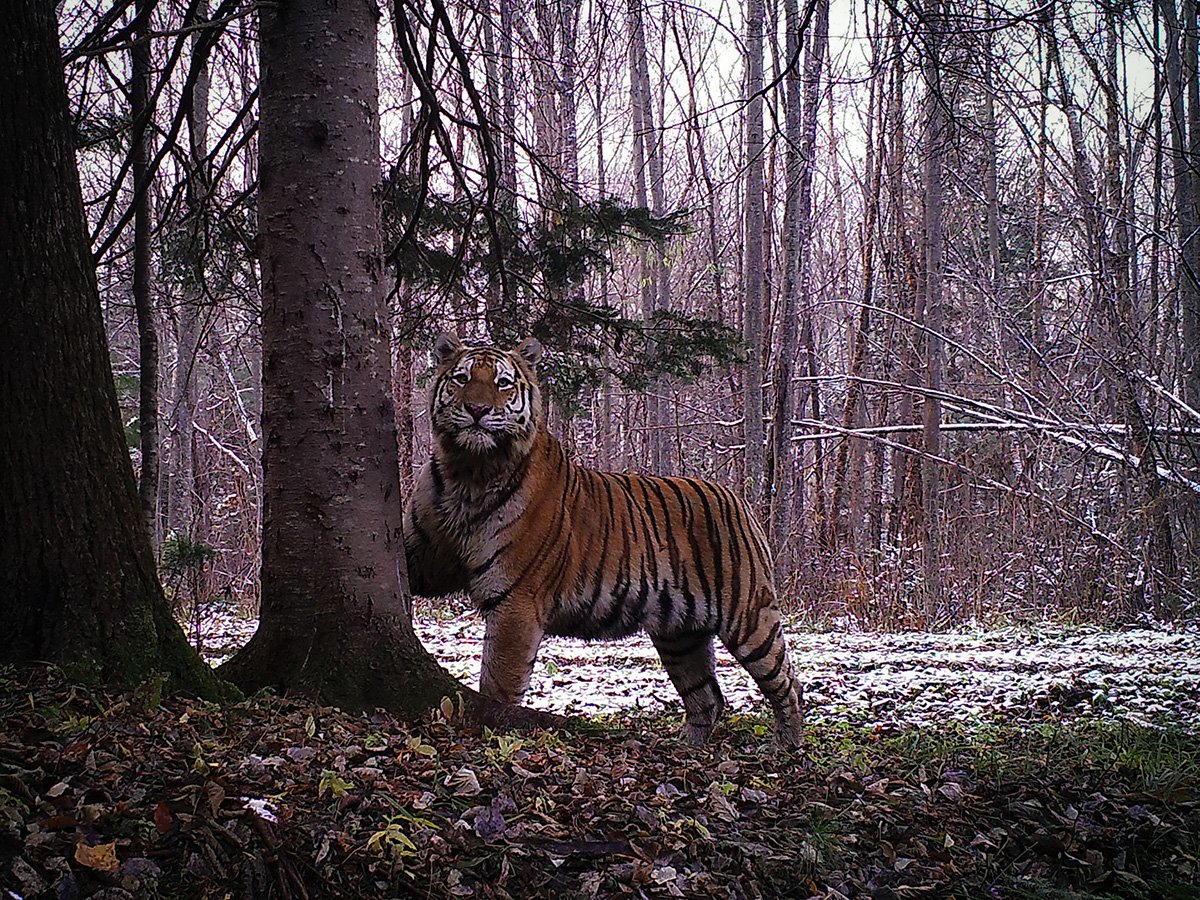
<point x="464" y="782"/>
<point x="101" y="857"/>
<point x="163" y="820"/>
<point x="216" y="796"/>
<point x="952" y="790"/>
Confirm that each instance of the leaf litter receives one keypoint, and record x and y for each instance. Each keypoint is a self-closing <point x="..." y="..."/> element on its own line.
<point x="1004" y="764"/>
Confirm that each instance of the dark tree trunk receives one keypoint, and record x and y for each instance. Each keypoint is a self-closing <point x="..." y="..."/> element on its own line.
<point x="143" y="301"/>
<point x="752" y="407"/>
<point x="1191" y="247"/>
<point x="77" y="578"/>
<point x="934" y="245"/>
<point x="335" y="614"/>
<point x="1180" y="64"/>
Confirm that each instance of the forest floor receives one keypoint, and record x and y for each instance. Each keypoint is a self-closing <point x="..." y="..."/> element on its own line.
<point x="1024" y="763"/>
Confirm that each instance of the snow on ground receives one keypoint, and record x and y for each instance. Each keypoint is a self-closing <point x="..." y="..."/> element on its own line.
<point x="1143" y="676"/>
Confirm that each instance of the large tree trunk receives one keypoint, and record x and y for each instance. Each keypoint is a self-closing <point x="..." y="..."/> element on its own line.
<point x="77" y="578"/>
<point x="335" y="611"/>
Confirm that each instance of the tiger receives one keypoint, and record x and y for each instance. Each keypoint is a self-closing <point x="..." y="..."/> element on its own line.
<point x="543" y="546"/>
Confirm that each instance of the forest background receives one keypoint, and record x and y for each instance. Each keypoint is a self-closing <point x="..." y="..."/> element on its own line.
<point x="917" y="279"/>
<point x="920" y="280"/>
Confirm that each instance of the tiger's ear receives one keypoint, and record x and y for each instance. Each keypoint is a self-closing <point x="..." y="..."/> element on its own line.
<point x="531" y="351"/>
<point x="445" y="347"/>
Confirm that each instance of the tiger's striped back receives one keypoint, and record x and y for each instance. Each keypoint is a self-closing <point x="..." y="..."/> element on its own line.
<point x="544" y="546"/>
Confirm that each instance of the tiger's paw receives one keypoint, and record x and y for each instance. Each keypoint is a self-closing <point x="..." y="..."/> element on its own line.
<point x="697" y="734"/>
<point x="790" y="736"/>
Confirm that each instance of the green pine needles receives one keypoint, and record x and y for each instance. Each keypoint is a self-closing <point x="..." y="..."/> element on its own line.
<point x="531" y="272"/>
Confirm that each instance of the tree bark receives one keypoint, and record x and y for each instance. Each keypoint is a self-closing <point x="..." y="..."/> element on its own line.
<point x="934" y="240"/>
<point x="647" y="155"/>
<point x="334" y="620"/>
<point x="143" y="301"/>
<point x="77" y="579"/>
<point x="752" y="406"/>
<point x="1180" y="52"/>
<point x="801" y="124"/>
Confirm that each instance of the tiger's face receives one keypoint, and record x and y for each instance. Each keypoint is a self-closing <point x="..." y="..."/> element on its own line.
<point x="484" y="398"/>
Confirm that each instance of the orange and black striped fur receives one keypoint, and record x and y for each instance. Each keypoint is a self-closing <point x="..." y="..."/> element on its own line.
<point x="544" y="546"/>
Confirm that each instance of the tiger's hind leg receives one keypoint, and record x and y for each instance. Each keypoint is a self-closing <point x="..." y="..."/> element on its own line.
<point x="762" y="651"/>
<point x="690" y="663"/>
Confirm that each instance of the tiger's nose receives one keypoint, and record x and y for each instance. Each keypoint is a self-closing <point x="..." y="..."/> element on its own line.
<point x="478" y="410"/>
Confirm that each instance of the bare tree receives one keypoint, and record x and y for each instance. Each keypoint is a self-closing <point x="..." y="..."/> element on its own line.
<point x="755" y="219"/>
<point x="801" y="134"/>
<point x="935" y="137"/>
<point x="143" y="300"/>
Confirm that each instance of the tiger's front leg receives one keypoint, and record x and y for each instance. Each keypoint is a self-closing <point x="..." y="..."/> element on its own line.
<point x="510" y="644"/>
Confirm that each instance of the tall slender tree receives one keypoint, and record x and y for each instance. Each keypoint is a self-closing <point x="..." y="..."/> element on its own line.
<point x="755" y="220"/>
<point x="1179" y="75"/>
<point x="801" y="133"/>
<point x="647" y="157"/>
<point x="143" y="299"/>
<point x="183" y="500"/>
<point x="935" y="126"/>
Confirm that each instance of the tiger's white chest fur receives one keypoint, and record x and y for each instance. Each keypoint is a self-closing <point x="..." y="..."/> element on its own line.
<point x="470" y="519"/>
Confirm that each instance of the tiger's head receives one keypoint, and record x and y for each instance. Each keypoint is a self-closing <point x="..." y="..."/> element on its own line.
<point x="484" y="399"/>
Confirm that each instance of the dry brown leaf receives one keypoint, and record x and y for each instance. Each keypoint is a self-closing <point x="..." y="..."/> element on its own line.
<point x="163" y="820"/>
<point x="101" y="857"/>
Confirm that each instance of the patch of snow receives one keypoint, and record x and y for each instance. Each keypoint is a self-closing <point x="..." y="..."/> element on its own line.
<point x="1144" y="675"/>
<point x="261" y="808"/>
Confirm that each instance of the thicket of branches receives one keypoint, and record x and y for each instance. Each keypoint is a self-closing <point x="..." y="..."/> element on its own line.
<point x="957" y="240"/>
